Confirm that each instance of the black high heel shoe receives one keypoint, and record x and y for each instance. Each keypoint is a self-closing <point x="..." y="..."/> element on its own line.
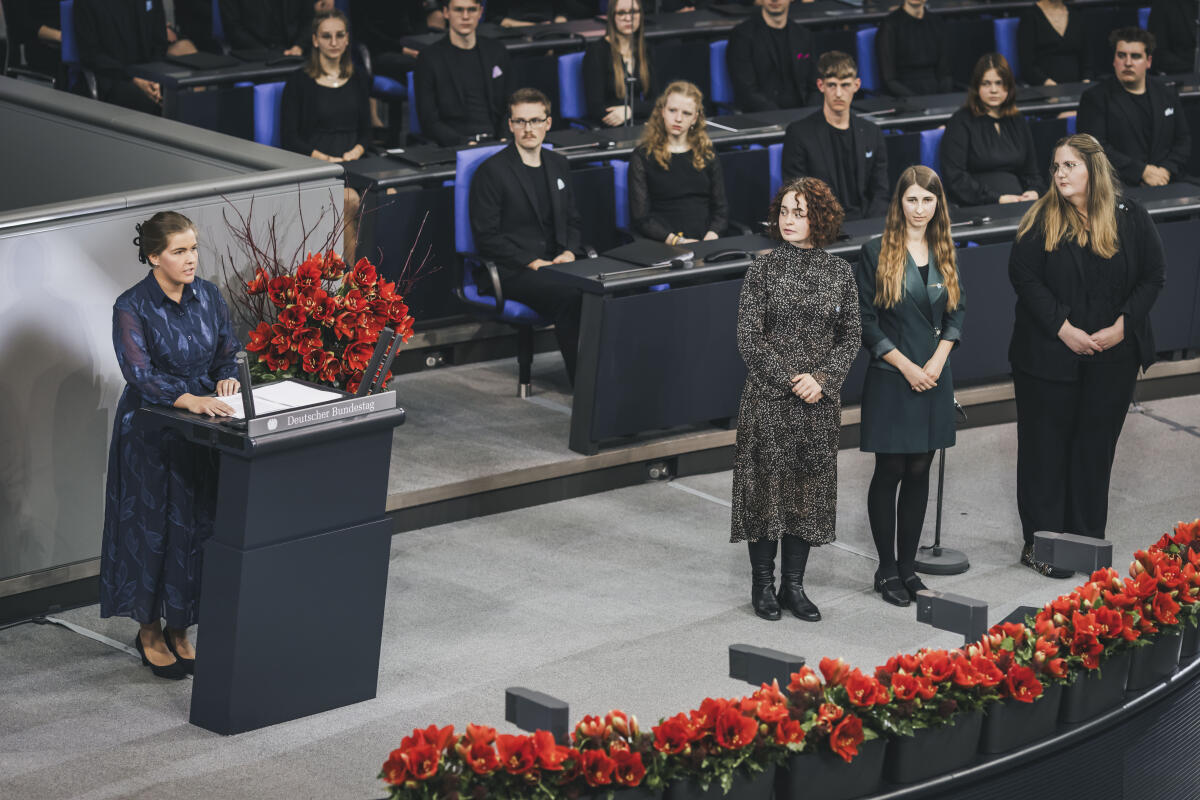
<point x="189" y="664"/>
<point x="891" y="589"/>
<point x="171" y="672"/>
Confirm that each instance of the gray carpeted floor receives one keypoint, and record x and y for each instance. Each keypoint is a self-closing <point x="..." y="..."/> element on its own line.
<point x="627" y="599"/>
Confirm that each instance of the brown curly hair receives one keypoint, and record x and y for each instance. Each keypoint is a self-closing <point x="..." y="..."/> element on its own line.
<point x="825" y="214"/>
<point x="654" y="135"/>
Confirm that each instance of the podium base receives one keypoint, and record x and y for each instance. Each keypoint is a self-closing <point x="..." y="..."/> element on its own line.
<point x="935" y="560"/>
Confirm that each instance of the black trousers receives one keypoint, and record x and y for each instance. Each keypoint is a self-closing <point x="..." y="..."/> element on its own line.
<point x="1066" y="439"/>
<point x="561" y="304"/>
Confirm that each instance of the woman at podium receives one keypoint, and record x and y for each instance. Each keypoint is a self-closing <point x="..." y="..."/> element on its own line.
<point x="175" y="346"/>
<point x="798" y="332"/>
<point x="912" y="317"/>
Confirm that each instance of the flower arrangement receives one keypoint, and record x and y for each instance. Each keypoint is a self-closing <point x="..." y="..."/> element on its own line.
<point x="834" y="711"/>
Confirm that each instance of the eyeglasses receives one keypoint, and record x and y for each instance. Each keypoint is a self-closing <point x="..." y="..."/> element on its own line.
<point x="794" y="213"/>
<point x="627" y="14"/>
<point x="1067" y="166"/>
<point x="536" y="122"/>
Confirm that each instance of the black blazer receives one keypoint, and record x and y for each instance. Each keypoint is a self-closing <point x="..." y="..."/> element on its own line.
<point x="1048" y="285"/>
<point x="600" y="85"/>
<point x="1173" y="23"/>
<point x="115" y="34"/>
<point x="267" y="24"/>
<point x="975" y="156"/>
<point x="1107" y="112"/>
<point x="754" y="67"/>
<point x="439" y="91"/>
<point x="808" y="151"/>
<point x="504" y="211"/>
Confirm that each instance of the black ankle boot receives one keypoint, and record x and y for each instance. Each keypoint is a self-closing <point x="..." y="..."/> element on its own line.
<point x="791" y="580"/>
<point x="762" y="576"/>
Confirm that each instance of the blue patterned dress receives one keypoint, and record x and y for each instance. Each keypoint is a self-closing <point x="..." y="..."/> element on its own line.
<point x="161" y="490"/>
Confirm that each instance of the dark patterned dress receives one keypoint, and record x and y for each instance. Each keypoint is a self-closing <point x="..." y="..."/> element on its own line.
<point x="798" y="313"/>
<point x="161" y="490"/>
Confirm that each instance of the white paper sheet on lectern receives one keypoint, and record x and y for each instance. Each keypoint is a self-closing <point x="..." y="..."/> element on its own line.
<point x="280" y="396"/>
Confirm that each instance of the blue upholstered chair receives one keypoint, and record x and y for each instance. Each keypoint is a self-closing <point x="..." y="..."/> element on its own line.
<point x="75" y="71"/>
<point x="718" y="72"/>
<point x="931" y="149"/>
<point x="621" y="193"/>
<point x="868" y="64"/>
<point x="572" y="105"/>
<point x="268" y="98"/>
<point x="414" y="122"/>
<point x="1071" y="121"/>
<point x="775" y="168"/>
<point x="218" y="27"/>
<point x="1006" y="41"/>
<point x="1144" y="17"/>
<point x="494" y="307"/>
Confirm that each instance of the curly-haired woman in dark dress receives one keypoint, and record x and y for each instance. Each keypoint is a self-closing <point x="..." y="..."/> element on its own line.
<point x="798" y="332"/>
<point x="175" y="346"/>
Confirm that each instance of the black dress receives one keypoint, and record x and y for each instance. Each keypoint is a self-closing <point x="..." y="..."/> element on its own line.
<point x="984" y="157"/>
<point x="332" y="121"/>
<point x="600" y="85"/>
<point x="1044" y="54"/>
<point x="913" y="55"/>
<point x="681" y="199"/>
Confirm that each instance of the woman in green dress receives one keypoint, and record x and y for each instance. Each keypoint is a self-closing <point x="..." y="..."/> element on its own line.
<point x="912" y="316"/>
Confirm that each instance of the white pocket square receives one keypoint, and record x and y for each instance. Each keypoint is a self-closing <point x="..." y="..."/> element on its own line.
<point x="497" y="72"/>
<point x="561" y="185"/>
<point x="1170" y="110"/>
<point x="868" y="154"/>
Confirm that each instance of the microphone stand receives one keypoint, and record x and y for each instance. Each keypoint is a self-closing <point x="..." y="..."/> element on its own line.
<point x="630" y="82"/>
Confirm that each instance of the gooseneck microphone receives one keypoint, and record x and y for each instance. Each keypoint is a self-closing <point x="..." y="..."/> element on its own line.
<point x="243" y="369"/>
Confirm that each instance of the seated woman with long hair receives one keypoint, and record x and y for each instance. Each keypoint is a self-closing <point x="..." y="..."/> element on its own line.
<point x="676" y="190"/>
<point x="325" y="112"/>
<point x="609" y="62"/>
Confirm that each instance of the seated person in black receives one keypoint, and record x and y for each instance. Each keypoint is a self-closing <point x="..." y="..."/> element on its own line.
<point x="383" y="24"/>
<point x="913" y="54"/>
<point x="842" y="149"/>
<point x="194" y="21"/>
<point x="115" y="34"/>
<point x="325" y="113"/>
<point x="676" y="190"/>
<point x="1050" y="45"/>
<point x="524" y="217"/>
<point x="36" y="24"/>
<point x="987" y="150"/>
<point x="770" y="60"/>
<point x="462" y="81"/>
<point x="607" y="63"/>
<point x="275" y="25"/>
<point x="1137" y="118"/>
<point x="1173" y="24"/>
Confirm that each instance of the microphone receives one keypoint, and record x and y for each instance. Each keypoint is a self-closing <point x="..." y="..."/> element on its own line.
<point x="382" y="345"/>
<point x="243" y="369"/>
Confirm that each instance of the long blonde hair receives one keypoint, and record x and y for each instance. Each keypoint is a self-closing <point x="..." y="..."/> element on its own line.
<point x="893" y="250"/>
<point x="654" y="138"/>
<point x="637" y="44"/>
<point x="1057" y="219"/>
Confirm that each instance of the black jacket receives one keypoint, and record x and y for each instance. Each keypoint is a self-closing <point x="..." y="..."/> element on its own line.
<point x="1107" y="112"/>
<point x="267" y="24"/>
<point x="115" y="34"/>
<point x="754" y="67"/>
<point x="439" y="92"/>
<point x="1049" y="284"/>
<point x="600" y="85"/>
<point x="975" y="157"/>
<point x="1173" y="23"/>
<point x="504" y="211"/>
<point x="808" y="151"/>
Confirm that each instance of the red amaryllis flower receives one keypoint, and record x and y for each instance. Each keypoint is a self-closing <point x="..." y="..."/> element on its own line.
<point x="589" y="728"/>
<point x="517" y="754"/>
<point x="1023" y="684"/>
<point x="863" y="690"/>
<point x="332" y="369"/>
<point x="282" y="291"/>
<point x="311" y="299"/>
<point x="354" y="301"/>
<point x="345" y="325"/>
<point x="910" y="687"/>
<point x="964" y="676"/>
<point x="325" y="311"/>
<point x="395" y="771"/>
<point x="354" y="381"/>
<point x="306" y="340"/>
<point x="314" y="361"/>
<point x="902" y="662"/>
<point x="364" y="274"/>
<point x="628" y="768"/>
<point x="1164" y="609"/>
<point x="308" y="274"/>
<point x="260" y="337"/>
<point x="734" y="730"/>
<point x="673" y="735"/>
<point x="846" y="737"/>
<point x="597" y="767"/>
<point x="550" y="754"/>
<point x="422" y="761"/>
<point x="828" y="714"/>
<point x="481" y="758"/>
<point x="332" y="266"/>
<point x="623" y="724"/>
<point x="834" y="670"/>
<point x="986" y="672"/>
<point x="439" y="738"/>
<point x="705" y="717"/>
<point x="936" y="665"/>
<point x="1057" y="668"/>
<point x="480" y="734"/>
<point x="789" y="731"/>
<point x="292" y="317"/>
<point x="258" y="284"/>
<point x="370" y="326"/>
<point x="805" y="681"/>
<point x="279" y="363"/>
<point x="769" y="703"/>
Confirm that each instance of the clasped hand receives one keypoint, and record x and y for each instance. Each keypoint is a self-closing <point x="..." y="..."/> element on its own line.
<point x="922" y="379"/>
<point x="1085" y="344"/>
<point x="805" y="387"/>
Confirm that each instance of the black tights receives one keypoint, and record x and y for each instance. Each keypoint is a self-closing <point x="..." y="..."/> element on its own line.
<point x="897" y="544"/>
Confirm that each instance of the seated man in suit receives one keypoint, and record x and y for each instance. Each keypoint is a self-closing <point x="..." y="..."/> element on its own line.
<point x="283" y="26"/>
<point x="462" y="81"/>
<point x="842" y="149"/>
<point x="770" y="60"/>
<point x="524" y="217"/>
<point x="1137" y="118"/>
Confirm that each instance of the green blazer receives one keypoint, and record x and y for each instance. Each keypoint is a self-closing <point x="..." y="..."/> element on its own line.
<point x="917" y="323"/>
